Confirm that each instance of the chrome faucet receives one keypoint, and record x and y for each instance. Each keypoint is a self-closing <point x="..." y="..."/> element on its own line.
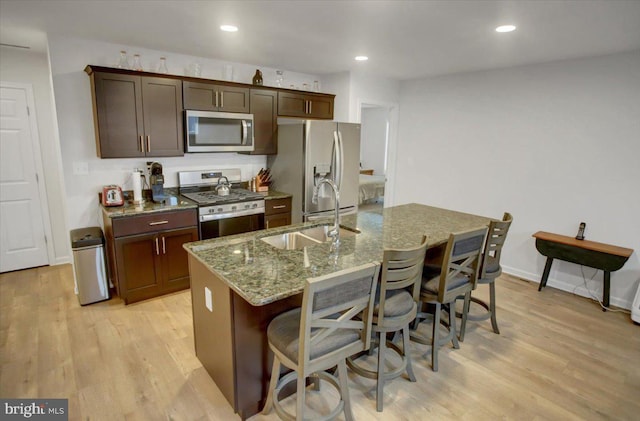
<point x="334" y="232"/>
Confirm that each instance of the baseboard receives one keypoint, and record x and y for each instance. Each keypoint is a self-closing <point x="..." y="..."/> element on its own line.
<point x="565" y="286"/>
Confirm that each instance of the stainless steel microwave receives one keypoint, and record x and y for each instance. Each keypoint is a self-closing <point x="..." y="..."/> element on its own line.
<point x="211" y="131"/>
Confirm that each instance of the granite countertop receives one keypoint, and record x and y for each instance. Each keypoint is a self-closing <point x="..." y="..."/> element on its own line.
<point x="274" y="194"/>
<point x="261" y="273"/>
<point x="173" y="202"/>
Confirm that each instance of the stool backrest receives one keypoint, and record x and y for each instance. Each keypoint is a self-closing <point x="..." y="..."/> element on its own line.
<point x="461" y="259"/>
<point x="337" y="307"/>
<point x="495" y="240"/>
<point x="401" y="269"/>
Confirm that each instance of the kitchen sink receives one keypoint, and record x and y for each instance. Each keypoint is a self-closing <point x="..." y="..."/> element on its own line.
<point x="290" y="241"/>
<point x="321" y="233"/>
<point x="297" y="240"/>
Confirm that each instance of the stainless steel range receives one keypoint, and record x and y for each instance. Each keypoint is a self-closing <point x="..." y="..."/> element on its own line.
<point x="223" y="208"/>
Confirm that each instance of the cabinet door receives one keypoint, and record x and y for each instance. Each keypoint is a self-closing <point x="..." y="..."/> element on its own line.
<point x="320" y="107"/>
<point x="277" y="220"/>
<point x="264" y="107"/>
<point x="138" y="267"/>
<point x="175" y="264"/>
<point x="292" y="105"/>
<point x="200" y="96"/>
<point x="162" y="106"/>
<point x="118" y="108"/>
<point x="233" y="99"/>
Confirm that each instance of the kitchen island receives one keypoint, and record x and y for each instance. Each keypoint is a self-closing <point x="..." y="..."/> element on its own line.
<point x="240" y="283"/>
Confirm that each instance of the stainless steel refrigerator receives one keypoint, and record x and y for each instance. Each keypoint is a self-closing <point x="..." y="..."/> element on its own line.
<point x="309" y="150"/>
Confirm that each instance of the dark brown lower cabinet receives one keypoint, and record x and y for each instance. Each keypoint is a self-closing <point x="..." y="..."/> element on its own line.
<point x="145" y="253"/>
<point x="150" y="265"/>
<point x="277" y="212"/>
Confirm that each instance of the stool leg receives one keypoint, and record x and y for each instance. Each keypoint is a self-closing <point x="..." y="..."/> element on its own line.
<point x="452" y="323"/>
<point x="275" y="374"/>
<point x="407" y="352"/>
<point x="435" y="338"/>
<point x="492" y="306"/>
<point x="382" y="346"/>
<point x="344" y="390"/>
<point x="465" y="313"/>
<point x="300" y="389"/>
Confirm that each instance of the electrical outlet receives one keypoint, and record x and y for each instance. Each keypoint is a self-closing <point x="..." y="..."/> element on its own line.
<point x="80" y="168"/>
<point x="208" y="299"/>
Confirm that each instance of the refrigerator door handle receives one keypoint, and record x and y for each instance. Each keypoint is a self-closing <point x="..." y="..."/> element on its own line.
<point x="335" y="159"/>
<point x="340" y="162"/>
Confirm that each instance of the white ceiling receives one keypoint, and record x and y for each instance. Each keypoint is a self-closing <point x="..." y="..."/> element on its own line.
<point x="404" y="39"/>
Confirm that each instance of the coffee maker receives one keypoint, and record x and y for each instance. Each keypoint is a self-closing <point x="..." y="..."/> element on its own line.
<point x="157" y="182"/>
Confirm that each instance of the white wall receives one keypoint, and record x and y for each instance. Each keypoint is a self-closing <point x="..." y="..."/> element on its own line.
<point x="69" y="56"/>
<point x="554" y="144"/>
<point x="373" y="136"/>
<point x="339" y="85"/>
<point x="33" y="68"/>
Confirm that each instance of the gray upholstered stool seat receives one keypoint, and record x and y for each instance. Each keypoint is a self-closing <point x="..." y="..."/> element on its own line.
<point x="333" y="324"/>
<point x="395" y="308"/>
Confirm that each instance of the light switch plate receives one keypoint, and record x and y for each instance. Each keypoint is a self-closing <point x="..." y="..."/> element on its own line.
<point x="208" y="299"/>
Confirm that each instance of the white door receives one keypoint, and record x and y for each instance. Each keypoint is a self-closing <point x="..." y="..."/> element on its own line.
<point x="22" y="237"/>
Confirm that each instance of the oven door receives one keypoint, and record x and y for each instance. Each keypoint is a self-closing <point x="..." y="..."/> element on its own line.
<point x="230" y="226"/>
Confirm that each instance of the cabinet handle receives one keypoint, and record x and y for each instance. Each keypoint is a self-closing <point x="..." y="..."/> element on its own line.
<point x="267" y="224"/>
<point x="158" y="223"/>
<point x="221" y="99"/>
<point x="306" y="106"/>
<point x="141" y="144"/>
<point x="216" y="99"/>
<point x="310" y="106"/>
<point x="148" y="143"/>
<point x="280" y="207"/>
<point x="164" y="249"/>
<point x="157" y="248"/>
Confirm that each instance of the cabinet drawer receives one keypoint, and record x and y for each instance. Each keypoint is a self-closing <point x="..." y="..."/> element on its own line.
<point x="154" y="222"/>
<point x="277" y="206"/>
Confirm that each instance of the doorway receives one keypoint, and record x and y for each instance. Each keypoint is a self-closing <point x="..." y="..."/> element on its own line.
<point x="375" y="123"/>
<point x="23" y="242"/>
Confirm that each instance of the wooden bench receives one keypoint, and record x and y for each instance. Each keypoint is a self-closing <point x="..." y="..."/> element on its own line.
<point x="605" y="257"/>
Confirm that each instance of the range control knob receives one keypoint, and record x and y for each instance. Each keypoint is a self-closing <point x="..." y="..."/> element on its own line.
<point x="255" y="205"/>
<point x="246" y="206"/>
<point x="234" y="207"/>
<point x="220" y="209"/>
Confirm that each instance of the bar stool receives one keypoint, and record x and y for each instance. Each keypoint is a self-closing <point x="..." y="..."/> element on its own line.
<point x="441" y="286"/>
<point x="395" y="308"/>
<point x="333" y="324"/>
<point x="490" y="269"/>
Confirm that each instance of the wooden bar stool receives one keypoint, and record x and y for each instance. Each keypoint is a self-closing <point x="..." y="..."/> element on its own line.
<point x="395" y="308"/>
<point x="333" y="324"/>
<point x="441" y="286"/>
<point x="490" y="269"/>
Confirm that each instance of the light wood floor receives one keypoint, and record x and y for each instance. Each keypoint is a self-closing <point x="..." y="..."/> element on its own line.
<point x="558" y="358"/>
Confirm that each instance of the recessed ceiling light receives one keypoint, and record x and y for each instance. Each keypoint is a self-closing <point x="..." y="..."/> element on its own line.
<point x="229" y="28"/>
<point x="361" y="58"/>
<point x="506" y="28"/>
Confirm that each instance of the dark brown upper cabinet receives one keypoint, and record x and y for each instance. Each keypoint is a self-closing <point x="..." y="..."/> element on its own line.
<point x="264" y="107"/>
<point x="213" y="97"/>
<point x="136" y="116"/>
<point x="305" y="105"/>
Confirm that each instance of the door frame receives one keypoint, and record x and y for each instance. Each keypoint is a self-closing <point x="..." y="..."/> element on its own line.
<point x="393" y="113"/>
<point x="37" y="157"/>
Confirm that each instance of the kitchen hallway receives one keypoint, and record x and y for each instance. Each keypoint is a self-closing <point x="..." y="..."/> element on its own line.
<point x="557" y="357"/>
